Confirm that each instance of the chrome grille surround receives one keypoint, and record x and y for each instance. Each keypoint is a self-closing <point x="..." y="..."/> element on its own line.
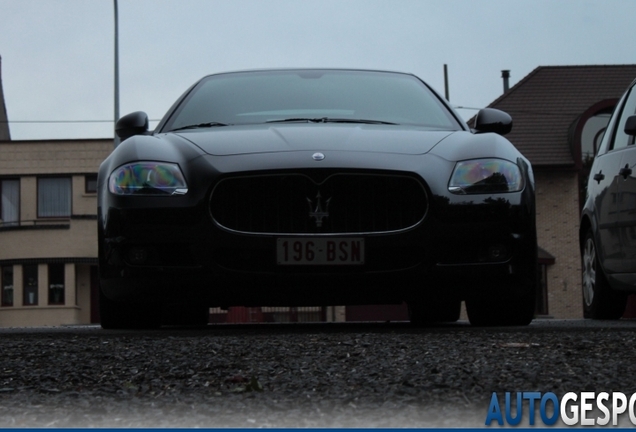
<point x="312" y="204"/>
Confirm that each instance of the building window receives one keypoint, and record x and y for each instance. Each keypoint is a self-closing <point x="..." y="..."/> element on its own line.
<point x="54" y="197"/>
<point x="56" y="284"/>
<point x="30" y="280"/>
<point x="90" y="185"/>
<point x="592" y="134"/>
<point x="6" y="279"/>
<point x="9" y="202"/>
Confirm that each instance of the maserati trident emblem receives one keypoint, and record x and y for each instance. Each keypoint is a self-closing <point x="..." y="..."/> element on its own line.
<point x="317" y="213"/>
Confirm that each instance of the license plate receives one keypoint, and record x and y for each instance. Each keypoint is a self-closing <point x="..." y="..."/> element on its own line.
<point x="320" y="251"/>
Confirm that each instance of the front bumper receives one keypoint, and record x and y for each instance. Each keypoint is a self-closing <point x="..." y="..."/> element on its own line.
<point x="460" y="249"/>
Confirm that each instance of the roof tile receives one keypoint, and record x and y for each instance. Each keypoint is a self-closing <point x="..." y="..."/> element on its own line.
<point x="549" y="100"/>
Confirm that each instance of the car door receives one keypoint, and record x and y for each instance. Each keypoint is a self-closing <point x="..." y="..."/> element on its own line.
<point x="603" y="186"/>
<point x="627" y="187"/>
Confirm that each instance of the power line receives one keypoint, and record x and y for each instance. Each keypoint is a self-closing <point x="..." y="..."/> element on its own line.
<point x="62" y="121"/>
<point x="58" y="121"/>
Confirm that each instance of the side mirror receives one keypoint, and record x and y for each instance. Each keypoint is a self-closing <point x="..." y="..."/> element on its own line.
<point x="132" y="124"/>
<point x="493" y="120"/>
<point x="630" y="125"/>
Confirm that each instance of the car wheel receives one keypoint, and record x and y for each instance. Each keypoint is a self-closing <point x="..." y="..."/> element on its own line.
<point x="120" y="315"/>
<point x="599" y="300"/>
<point x="507" y="311"/>
<point x="185" y="315"/>
<point x="432" y="310"/>
<point x="501" y="310"/>
<point x="508" y="304"/>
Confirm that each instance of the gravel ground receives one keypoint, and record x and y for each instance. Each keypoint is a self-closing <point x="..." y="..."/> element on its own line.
<point x="327" y="375"/>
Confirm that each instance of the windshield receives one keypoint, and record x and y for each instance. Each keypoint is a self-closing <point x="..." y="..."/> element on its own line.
<point x="314" y="95"/>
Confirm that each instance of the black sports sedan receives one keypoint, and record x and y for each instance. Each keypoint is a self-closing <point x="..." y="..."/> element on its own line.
<point x="608" y="221"/>
<point x="314" y="188"/>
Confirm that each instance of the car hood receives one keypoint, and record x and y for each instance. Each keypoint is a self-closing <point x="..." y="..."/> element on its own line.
<point x="238" y="140"/>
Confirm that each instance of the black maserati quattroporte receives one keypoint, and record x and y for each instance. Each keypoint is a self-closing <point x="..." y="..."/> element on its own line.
<point x="315" y="187"/>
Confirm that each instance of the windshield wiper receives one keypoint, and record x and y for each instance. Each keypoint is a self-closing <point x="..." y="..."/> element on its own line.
<point x="365" y="121"/>
<point x="330" y="120"/>
<point x="200" y="125"/>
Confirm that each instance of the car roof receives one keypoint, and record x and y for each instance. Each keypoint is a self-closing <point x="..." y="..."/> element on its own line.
<point x="312" y="69"/>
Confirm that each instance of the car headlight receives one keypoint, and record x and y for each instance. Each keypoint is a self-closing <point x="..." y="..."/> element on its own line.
<point x="147" y="178"/>
<point x="484" y="176"/>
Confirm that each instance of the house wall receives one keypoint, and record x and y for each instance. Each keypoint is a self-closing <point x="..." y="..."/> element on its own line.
<point x="76" y="307"/>
<point x="557" y="231"/>
<point x="78" y="239"/>
<point x="70" y="240"/>
<point x="53" y="157"/>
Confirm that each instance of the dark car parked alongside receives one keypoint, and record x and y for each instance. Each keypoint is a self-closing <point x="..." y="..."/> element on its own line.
<point x="608" y="222"/>
<point x="314" y="188"/>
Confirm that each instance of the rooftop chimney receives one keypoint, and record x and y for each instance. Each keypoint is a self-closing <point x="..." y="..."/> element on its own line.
<point x="505" y="74"/>
<point x="4" y="123"/>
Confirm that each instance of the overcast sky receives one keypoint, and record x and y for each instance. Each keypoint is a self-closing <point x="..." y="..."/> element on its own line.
<point x="57" y="55"/>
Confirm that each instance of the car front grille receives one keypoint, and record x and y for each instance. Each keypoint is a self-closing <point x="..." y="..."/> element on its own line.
<point x="339" y="203"/>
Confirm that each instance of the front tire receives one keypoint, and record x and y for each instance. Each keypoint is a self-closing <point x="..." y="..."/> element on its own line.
<point x="600" y="301"/>
<point x="511" y="301"/>
<point x="192" y="315"/>
<point x="120" y="315"/>
<point x="502" y="309"/>
<point x="432" y="310"/>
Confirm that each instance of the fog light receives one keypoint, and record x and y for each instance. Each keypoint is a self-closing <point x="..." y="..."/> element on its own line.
<point x="137" y="255"/>
<point x="497" y="252"/>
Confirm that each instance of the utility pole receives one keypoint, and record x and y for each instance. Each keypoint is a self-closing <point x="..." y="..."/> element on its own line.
<point x="116" y="138"/>
<point x="445" y="82"/>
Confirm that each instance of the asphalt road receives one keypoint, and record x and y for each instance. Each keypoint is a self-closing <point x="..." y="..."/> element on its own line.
<point x="301" y="375"/>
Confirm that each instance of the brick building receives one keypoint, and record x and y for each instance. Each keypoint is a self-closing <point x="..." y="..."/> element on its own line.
<point x="559" y="115"/>
<point x="48" y="226"/>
